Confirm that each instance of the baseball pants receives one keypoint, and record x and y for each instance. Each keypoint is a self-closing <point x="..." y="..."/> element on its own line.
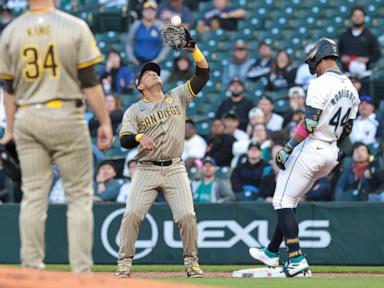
<point x="147" y="181"/>
<point x="309" y="161"/>
<point x="44" y="135"/>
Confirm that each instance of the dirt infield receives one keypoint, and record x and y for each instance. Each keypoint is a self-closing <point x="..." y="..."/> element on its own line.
<point x="23" y="278"/>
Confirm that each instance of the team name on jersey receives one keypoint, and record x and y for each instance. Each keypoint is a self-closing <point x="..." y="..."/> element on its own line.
<point x="40" y="30"/>
<point x="154" y="118"/>
<point x="344" y="93"/>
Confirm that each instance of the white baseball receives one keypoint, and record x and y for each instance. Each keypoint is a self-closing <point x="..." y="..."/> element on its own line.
<point x="176" y="20"/>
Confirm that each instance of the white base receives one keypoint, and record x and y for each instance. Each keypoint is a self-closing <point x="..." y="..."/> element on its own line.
<point x="266" y="273"/>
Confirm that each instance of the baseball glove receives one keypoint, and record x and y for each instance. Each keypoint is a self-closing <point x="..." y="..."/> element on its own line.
<point x="177" y="37"/>
<point x="10" y="161"/>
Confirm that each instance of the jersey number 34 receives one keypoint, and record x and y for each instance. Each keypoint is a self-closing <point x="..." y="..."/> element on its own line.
<point x="36" y="63"/>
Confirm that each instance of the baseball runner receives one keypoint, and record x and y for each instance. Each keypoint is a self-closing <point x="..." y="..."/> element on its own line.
<point x="312" y="153"/>
<point x="47" y="60"/>
<point x="157" y="125"/>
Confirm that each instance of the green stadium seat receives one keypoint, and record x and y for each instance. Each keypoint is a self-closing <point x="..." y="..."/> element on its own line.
<point x="203" y="128"/>
<point x="224" y="172"/>
<point x="374" y="148"/>
<point x="205" y="6"/>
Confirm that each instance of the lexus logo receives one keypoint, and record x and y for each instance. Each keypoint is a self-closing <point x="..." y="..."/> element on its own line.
<point x="112" y="245"/>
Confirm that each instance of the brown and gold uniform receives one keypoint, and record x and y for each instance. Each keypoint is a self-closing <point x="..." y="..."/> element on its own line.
<point x="160" y="170"/>
<point x="41" y="53"/>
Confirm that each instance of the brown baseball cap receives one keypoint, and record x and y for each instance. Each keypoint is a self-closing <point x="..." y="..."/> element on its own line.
<point x="150" y="66"/>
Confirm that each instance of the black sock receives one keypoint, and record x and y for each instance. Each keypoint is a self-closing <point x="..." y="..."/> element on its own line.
<point x="290" y="229"/>
<point x="276" y="240"/>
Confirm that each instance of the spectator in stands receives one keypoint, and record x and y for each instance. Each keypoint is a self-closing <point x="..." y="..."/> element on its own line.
<point x="237" y="103"/>
<point x="115" y="76"/>
<point x="255" y="117"/>
<point x="320" y="191"/>
<point x="356" y="182"/>
<point x="220" y="144"/>
<point x="262" y="67"/>
<point x="194" y="146"/>
<point x="283" y="72"/>
<point x="221" y="16"/>
<point x="357" y="84"/>
<point x="144" y="38"/>
<point x="296" y="97"/>
<point x="182" y="69"/>
<point x="303" y="76"/>
<point x="169" y="8"/>
<point x="268" y="181"/>
<point x="259" y="135"/>
<point x="240" y="63"/>
<point x="115" y="114"/>
<point x="247" y="175"/>
<point x="124" y="189"/>
<point x="231" y="124"/>
<point x="273" y="121"/>
<point x="5" y="17"/>
<point x="211" y="189"/>
<point x="368" y="127"/>
<point x="358" y="47"/>
<point x="106" y="187"/>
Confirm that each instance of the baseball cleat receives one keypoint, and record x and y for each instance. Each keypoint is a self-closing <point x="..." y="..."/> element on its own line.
<point x="292" y="268"/>
<point x="194" y="271"/>
<point x="123" y="270"/>
<point x="264" y="256"/>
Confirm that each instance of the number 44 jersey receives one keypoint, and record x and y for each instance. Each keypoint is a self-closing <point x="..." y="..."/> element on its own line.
<point x="334" y="94"/>
<point x="44" y="63"/>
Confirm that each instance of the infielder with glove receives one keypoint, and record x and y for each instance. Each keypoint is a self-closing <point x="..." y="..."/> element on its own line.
<point x="156" y="124"/>
<point x="331" y="106"/>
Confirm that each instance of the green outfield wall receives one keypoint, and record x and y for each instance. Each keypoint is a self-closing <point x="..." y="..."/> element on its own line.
<point x="330" y="233"/>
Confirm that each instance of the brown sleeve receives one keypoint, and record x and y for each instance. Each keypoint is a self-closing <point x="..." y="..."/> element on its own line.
<point x="199" y="79"/>
<point x="88" y="77"/>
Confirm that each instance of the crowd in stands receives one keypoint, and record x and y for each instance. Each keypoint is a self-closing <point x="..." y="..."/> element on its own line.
<point x="235" y="161"/>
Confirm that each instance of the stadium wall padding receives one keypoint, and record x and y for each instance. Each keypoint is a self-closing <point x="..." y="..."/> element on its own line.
<point x="330" y="233"/>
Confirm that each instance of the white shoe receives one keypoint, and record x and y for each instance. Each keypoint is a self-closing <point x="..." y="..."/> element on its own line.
<point x="260" y="255"/>
<point x="291" y="269"/>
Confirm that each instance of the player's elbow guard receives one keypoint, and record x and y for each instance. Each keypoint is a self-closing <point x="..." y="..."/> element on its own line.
<point x="128" y="141"/>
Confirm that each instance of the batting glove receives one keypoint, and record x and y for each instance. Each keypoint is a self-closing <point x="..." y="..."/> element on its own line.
<point x="282" y="156"/>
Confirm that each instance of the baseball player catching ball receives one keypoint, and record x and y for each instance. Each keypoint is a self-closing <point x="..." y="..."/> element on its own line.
<point x="47" y="60"/>
<point x="313" y="152"/>
<point x="157" y="125"/>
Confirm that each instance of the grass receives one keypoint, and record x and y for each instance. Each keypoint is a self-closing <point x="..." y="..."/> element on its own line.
<point x="225" y="268"/>
<point x="260" y="283"/>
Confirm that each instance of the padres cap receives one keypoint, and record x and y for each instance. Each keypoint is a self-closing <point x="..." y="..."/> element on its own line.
<point x="150" y="66"/>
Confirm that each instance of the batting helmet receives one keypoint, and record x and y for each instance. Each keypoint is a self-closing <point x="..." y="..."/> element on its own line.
<point x="324" y="47"/>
